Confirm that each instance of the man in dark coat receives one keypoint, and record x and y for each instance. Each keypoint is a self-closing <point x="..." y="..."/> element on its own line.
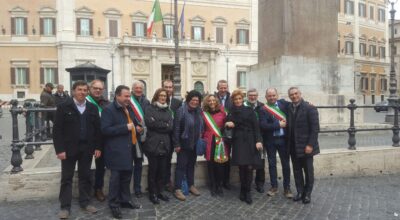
<point x="303" y="128"/>
<point x="76" y="136"/>
<point x="225" y="100"/>
<point x="47" y="101"/>
<point x="96" y="89"/>
<point x="138" y="94"/>
<point x="118" y="126"/>
<point x="173" y="104"/>
<point x="60" y="95"/>
<point x="252" y="101"/>
<point x="273" y="118"/>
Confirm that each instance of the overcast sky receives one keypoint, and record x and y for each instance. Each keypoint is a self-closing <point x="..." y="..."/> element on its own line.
<point x="397" y="7"/>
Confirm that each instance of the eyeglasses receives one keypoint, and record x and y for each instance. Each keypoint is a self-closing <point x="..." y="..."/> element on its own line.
<point x="97" y="88"/>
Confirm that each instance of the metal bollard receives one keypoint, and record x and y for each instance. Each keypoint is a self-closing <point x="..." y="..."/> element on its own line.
<point x="16" y="145"/>
<point x="352" y="129"/>
<point x="29" y="122"/>
<point x="38" y="135"/>
<point x="395" y="128"/>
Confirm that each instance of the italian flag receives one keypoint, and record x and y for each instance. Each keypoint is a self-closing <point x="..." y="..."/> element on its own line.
<point x="154" y="17"/>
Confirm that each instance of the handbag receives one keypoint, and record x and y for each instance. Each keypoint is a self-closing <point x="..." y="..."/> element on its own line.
<point x="228" y="133"/>
<point x="201" y="147"/>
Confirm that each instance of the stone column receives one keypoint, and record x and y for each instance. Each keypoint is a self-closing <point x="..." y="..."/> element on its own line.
<point x="153" y="71"/>
<point x="127" y="70"/>
<point x="188" y="67"/>
<point x="211" y="73"/>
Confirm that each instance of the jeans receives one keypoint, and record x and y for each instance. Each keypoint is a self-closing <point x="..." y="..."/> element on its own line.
<point x="185" y="166"/>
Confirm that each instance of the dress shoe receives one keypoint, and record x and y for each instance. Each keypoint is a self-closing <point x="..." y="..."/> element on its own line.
<point x="306" y="199"/>
<point x="179" y="195"/>
<point x="90" y="209"/>
<point x="248" y="198"/>
<point x="130" y="205"/>
<point x="153" y="198"/>
<point x="63" y="214"/>
<point x="138" y="194"/>
<point x="288" y="193"/>
<point x="260" y="188"/>
<point x="163" y="197"/>
<point x="298" y="197"/>
<point x="227" y="186"/>
<point x="194" y="191"/>
<point x="116" y="212"/>
<point x="272" y="191"/>
<point x="99" y="195"/>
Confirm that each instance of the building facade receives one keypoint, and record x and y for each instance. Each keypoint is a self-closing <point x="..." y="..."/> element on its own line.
<point x="363" y="41"/>
<point x="39" y="41"/>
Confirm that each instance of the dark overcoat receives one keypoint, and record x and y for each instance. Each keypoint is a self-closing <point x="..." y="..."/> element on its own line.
<point x="246" y="134"/>
<point x="118" y="147"/>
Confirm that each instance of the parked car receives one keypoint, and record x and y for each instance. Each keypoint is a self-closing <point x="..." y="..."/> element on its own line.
<point x="382" y="106"/>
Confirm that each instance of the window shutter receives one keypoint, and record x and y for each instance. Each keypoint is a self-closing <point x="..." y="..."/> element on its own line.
<point x="12" y="26"/>
<point x="12" y="72"/>
<point x="25" y="26"/>
<point x="202" y="33"/>
<point x="91" y="27"/>
<point x="53" y="20"/>
<point x="247" y="36"/>
<point x="41" y="76"/>
<point x="237" y="36"/>
<point x="164" y="31"/>
<point x="133" y="29"/>
<point x="192" y="34"/>
<point x="27" y="76"/>
<point x="145" y="29"/>
<point x="41" y="26"/>
<point x="78" y="26"/>
<point x="56" y="76"/>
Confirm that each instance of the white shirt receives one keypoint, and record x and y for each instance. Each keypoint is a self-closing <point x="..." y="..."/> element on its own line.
<point x="81" y="106"/>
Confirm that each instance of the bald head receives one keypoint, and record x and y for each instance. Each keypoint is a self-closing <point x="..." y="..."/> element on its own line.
<point x="271" y="95"/>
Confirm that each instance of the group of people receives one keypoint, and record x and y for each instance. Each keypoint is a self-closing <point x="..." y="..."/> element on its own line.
<point x="228" y="129"/>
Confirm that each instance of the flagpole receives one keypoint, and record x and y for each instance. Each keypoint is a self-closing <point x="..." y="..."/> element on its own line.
<point x="177" y="72"/>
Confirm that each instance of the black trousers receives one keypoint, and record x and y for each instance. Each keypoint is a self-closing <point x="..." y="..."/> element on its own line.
<point x="99" y="173"/>
<point x="119" y="191"/>
<point x="246" y="177"/>
<point x="216" y="173"/>
<point x="156" y="173"/>
<point x="84" y="159"/>
<point x="303" y="172"/>
<point x="260" y="174"/>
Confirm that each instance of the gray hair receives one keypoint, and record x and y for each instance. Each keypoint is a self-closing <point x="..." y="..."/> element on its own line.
<point x="252" y="90"/>
<point x="137" y="82"/>
<point x="271" y="89"/>
<point x="293" y="88"/>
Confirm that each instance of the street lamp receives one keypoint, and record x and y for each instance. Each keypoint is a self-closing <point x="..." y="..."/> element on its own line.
<point x="112" y="49"/>
<point x="393" y="97"/>
<point x="177" y="66"/>
<point x="227" y="63"/>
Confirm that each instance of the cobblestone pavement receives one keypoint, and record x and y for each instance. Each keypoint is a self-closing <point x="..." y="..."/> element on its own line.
<point x="333" y="198"/>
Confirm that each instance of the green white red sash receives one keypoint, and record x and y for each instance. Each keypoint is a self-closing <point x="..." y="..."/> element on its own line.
<point x="220" y="155"/>
<point x="137" y="109"/>
<point x="275" y="111"/>
<point x="91" y="100"/>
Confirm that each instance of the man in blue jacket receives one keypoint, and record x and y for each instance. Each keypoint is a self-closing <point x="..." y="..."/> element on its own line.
<point x="120" y="132"/>
<point x="273" y="122"/>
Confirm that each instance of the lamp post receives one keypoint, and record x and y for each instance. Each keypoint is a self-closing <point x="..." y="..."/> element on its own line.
<point x="112" y="50"/>
<point x="393" y="97"/>
<point x="177" y="66"/>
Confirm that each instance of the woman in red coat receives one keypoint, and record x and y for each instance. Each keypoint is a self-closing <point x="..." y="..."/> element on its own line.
<point x="217" y="152"/>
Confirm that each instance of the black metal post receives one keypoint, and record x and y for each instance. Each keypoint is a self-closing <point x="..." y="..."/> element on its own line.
<point x="16" y="145"/>
<point x="177" y="67"/>
<point x="29" y="122"/>
<point x="352" y="129"/>
<point x="393" y="98"/>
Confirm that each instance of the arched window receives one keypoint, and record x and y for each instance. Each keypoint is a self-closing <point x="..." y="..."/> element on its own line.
<point x="198" y="86"/>
<point x="144" y="87"/>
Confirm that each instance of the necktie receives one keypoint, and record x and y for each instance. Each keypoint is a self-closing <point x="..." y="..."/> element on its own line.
<point x="134" y="139"/>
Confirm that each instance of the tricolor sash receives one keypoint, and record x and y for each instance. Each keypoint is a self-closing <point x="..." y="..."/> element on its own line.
<point x="137" y="109"/>
<point x="275" y="111"/>
<point x="220" y="155"/>
<point x="91" y="100"/>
